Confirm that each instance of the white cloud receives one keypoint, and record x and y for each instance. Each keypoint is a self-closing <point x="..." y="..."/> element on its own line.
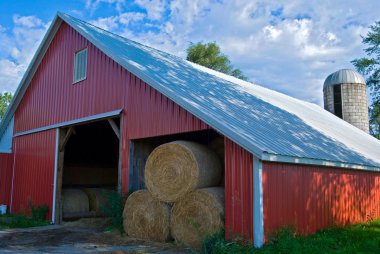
<point x="154" y="8"/>
<point x="94" y="4"/>
<point x="10" y="75"/>
<point x="17" y="47"/>
<point x="27" y="21"/>
<point x="272" y="32"/>
<point x="107" y="23"/>
<point x="121" y="20"/>
<point x="130" y="17"/>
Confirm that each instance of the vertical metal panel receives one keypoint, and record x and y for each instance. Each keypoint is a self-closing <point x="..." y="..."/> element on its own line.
<point x="52" y="97"/>
<point x="34" y="171"/>
<point x="6" y="164"/>
<point x="152" y="114"/>
<point x="312" y="197"/>
<point x="238" y="191"/>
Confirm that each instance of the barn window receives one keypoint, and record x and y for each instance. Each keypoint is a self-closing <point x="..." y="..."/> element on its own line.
<point x="80" y="65"/>
<point x="338" y="101"/>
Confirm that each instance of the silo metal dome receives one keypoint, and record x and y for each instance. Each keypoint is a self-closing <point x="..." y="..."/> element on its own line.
<point x="344" y="76"/>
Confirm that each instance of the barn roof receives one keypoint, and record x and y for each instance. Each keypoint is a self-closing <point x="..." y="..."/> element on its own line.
<point x="270" y="125"/>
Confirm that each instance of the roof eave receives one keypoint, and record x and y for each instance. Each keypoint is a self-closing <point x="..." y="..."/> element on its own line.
<point x="316" y="162"/>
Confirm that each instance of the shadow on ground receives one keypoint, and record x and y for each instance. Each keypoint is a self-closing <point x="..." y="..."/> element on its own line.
<point x="77" y="237"/>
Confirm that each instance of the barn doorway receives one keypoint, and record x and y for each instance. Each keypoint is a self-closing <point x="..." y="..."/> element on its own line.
<point x="88" y="166"/>
<point x="140" y="149"/>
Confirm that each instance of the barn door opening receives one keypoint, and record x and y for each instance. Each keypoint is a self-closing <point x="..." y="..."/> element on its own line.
<point x="87" y="167"/>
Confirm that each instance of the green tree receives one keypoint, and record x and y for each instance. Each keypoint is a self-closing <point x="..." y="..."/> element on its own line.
<point x="374" y="121"/>
<point x="5" y="99"/>
<point x="370" y="67"/>
<point x="210" y="56"/>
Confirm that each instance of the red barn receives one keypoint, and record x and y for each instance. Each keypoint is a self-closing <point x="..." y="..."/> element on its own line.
<point x="92" y="105"/>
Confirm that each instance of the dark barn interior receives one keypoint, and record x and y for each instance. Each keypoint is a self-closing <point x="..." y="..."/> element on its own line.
<point x="90" y="168"/>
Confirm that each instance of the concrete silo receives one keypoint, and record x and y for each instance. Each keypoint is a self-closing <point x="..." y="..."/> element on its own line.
<point x="345" y="96"/>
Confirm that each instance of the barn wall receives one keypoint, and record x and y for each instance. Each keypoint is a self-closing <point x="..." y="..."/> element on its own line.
<point x="33" y="170"/>
<point x="53" y="98"/>
<point x="108" y="87"/>
<point x="6" y="163"/>
<point x="152" y="114"/>
<point x="312" y="197"/>
<point x="238" y="191"/>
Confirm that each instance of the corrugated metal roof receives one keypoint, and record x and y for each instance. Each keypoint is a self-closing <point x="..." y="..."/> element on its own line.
<point x="344" y="76"/>
<point x="264" y="122"/>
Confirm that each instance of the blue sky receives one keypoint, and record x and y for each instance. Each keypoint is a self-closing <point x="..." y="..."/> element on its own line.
<point x="289" y="46"/>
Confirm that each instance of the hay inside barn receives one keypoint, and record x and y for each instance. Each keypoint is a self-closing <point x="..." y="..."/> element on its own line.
<point x="176" y="168"/>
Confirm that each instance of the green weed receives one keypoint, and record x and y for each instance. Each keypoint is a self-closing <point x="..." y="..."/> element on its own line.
<point x="358" y="238"/>
<point x="38" y="212"/>
<point x="114" y="208"/>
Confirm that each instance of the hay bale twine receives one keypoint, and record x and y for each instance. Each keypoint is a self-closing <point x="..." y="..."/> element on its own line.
<point x="174" y="169"/>
<point x="96" y="199"/>
<point x="146" y="218"/>
<point x="74" y="203"/>
<point x="199" y="214"/>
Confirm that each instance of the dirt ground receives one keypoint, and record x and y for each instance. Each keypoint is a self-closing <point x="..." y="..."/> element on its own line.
<point x="83" y="236"/>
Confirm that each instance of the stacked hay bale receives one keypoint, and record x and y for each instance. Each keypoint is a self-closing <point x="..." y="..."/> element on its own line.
<point x="75" y="203"/>
<point x="83" y="202"/>
<point x="96" y="199"/>
<point x="178" y="176"/>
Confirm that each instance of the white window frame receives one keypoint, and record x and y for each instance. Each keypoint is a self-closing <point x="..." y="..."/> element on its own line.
<point x="76" y="65"/>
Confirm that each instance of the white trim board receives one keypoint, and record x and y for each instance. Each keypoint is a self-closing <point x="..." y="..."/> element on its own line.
<point x="13" y="177"/>
<point x="55" y="175"/>
<point x="315" y="162"/>
<point x="258" y="203"/>
<point x="72" y="122"/>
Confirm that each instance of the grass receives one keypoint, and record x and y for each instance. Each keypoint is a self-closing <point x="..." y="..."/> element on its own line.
<point x="114" y="209"/>
<point x="358" y="238"/>
<point x="20" y="221"/>
<point x="37" y="218"/>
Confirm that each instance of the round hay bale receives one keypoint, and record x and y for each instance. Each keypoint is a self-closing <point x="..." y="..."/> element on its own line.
<point x="199" y="214"/>
<point x="96" y="199"/>
<point x="74" y="203"/>
<point x="174" y="169"/>
<point x="146" y="218"/>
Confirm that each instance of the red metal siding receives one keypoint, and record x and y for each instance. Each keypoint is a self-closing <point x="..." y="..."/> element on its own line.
<point x="6" y="164"/>
<point x="33" y="170"/>
<point x="312" y="197"/>
<point x="152" y="114"/>
<point x="238" y="191"/>
<point x="52" y="98"/>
